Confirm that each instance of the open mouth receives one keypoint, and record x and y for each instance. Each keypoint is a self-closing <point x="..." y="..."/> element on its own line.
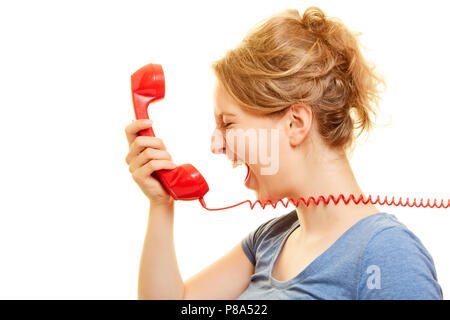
<point x="239" y="163"/>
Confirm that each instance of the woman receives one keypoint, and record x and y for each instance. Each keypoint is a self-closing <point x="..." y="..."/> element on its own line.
<point x="305" y="77"/>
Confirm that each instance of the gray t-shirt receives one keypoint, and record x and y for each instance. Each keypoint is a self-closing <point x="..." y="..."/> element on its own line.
<point x="376" y="258"/>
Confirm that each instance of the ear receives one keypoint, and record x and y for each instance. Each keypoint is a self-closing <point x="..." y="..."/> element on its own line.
<point x="298" y="123"/>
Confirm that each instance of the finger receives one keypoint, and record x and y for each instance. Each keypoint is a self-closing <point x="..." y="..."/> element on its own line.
<point x="141" y="143"/>
<point x="152" y="166"/>
<point x="148" y="155"/>
<point x="134" y="127"/>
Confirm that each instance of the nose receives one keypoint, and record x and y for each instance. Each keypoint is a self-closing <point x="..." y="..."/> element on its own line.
<point x="217" y="142"/>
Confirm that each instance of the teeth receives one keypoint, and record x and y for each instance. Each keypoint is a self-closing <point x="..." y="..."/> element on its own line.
<point x="237" y="163"/>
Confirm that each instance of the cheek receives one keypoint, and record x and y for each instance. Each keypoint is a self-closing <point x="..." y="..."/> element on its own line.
<point x="244" y="145"/>
<point x="258" y="147"/>
<point x="270" y="149"/>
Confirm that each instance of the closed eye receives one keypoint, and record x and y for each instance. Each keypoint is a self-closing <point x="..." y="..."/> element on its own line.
<point x="226" y="125"/>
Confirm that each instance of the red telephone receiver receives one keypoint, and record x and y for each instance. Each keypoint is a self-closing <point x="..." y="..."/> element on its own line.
<point x="184" y="182"/>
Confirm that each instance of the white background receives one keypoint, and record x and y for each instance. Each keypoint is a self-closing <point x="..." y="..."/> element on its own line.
<point x="72" y="220"/>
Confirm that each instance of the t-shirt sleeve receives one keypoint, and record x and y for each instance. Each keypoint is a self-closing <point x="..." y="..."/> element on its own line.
<point x="396" y="266"/>
<point x="250" y="242"/>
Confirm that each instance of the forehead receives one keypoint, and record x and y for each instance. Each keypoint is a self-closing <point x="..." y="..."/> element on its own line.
<point x="223" y="103"/>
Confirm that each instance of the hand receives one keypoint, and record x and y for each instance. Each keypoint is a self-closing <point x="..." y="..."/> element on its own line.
<point x="146" y="155"/>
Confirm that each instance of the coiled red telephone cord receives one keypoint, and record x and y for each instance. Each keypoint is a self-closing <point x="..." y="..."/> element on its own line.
<point x="336" y="200"/>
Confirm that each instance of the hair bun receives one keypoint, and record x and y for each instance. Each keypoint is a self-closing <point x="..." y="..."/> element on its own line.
<point x="314" y="20"/>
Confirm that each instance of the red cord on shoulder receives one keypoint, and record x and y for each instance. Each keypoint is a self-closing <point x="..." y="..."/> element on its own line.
<point x="336" y="200"/>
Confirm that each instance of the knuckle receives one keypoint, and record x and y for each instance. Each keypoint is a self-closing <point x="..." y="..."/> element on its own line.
<point x="137" y="175"/>
<point x="149" y="152"/>
<point x="139" y="141"/>
<point x="159" y="142"/>
<point x="151" y="166"/>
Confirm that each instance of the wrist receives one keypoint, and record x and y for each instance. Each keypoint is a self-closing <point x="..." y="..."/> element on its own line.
<point x="158" y="203"/>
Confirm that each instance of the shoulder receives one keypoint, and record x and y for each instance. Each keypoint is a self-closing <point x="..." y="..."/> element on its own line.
<point x="390" y="238"/>
<point x="276" y="226"/>
<point x="267" y="233"/>
<point x="395" y="264"/>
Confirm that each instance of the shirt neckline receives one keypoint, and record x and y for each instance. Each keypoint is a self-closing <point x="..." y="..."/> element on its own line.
<point x="310" y="268"/>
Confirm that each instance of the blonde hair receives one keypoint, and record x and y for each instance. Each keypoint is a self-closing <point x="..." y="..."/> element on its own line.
<point x="311" y="59"/>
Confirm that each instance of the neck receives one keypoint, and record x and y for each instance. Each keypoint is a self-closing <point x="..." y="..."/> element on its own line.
<point x="329" y="175"/>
